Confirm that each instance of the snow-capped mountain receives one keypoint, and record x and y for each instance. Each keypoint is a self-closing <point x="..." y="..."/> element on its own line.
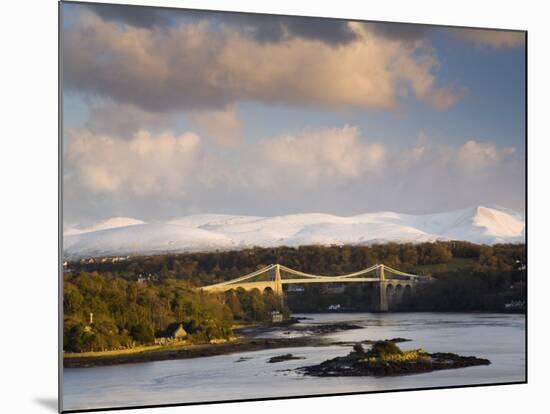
<point x="207" y="232"/>
<point x="111" y="223"/>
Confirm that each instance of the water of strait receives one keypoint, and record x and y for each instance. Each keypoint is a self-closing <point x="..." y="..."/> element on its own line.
<point x="498" y="337"/>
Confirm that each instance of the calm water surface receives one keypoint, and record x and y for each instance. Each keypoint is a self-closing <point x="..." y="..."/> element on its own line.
<point x="498" y="337"/>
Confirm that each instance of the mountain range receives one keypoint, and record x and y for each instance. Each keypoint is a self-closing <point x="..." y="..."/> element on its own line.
<point x="210" y="232"/>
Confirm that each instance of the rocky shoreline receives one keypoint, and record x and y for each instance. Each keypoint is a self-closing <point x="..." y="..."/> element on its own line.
<point x="281" y="358"/>
<point x="247" y="342"/>
<point x="381" y="359"/>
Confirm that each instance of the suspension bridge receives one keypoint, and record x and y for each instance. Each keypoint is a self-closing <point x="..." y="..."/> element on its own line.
<point x="392" y="284"/>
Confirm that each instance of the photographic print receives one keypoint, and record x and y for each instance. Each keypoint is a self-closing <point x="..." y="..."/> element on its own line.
<point x="267" y="206"/>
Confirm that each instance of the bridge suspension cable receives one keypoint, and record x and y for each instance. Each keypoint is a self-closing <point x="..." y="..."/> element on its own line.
<point x="245" y="277"/>
<point x="398" y="272"/>
<point x="310" y="278"/>
<point x="350" y="275"/>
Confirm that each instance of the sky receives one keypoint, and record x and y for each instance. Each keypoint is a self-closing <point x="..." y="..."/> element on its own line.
<point x="172" y="112"/>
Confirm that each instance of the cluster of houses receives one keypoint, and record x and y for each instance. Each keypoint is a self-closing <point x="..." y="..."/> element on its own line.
<point x="146" y="278"/>
<point x="92" y="260"/>
<point x="112" y="259"/>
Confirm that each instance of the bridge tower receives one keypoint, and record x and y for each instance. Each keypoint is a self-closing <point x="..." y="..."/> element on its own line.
<point x="383" y="294"/>
<point x="278" y="284"/>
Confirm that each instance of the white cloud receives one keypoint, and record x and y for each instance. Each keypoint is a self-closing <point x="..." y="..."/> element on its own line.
<point x="194" y="66"/>
<point x="170" y="164"/>
<point x="144" y="164"/>
<point x="471" y="157"/>
<point x="223" y="126"/>
<point x="328" y="169"/>
<point x="443" y="98"/>
<point x="475" y="155"/>
<point x="316" y="156"/>
<point x="491" y="38"/>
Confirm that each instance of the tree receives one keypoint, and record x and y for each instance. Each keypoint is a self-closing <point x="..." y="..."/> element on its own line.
<point x="142" y="334"/>
<point x="232" y="301"/>
<point x="165" y="273"/>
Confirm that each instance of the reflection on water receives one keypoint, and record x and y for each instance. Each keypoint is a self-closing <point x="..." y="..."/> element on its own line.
<point x="498" y="337"/>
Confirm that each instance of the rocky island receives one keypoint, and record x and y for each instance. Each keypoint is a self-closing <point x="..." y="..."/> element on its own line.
<point x="281" y="358"/>
<point x="386" y="358"/>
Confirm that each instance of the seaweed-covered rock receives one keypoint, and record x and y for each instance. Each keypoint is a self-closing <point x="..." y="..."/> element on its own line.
<point x="386" y="358"/>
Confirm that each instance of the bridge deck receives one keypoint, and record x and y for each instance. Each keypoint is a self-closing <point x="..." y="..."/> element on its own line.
<point x="305" y="278"/>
